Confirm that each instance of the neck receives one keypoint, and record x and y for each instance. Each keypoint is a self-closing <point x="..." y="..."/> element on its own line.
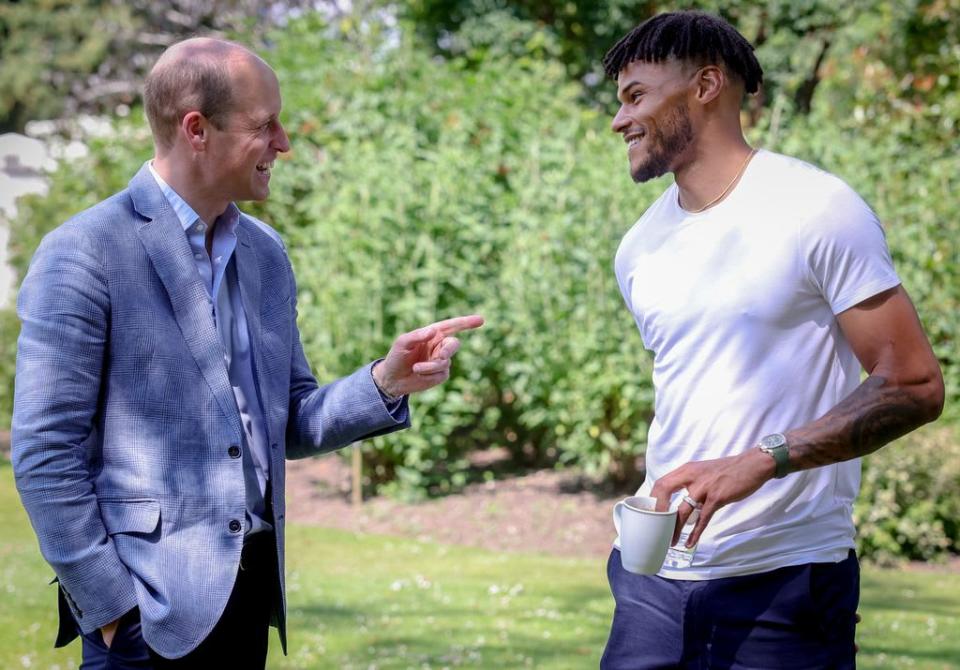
<point x="712" y="174"/>
<point x="184" y="178"/>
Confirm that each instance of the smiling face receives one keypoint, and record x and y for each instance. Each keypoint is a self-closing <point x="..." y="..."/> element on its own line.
<point x="654" y="117"/>
<point x="241" y="154"/>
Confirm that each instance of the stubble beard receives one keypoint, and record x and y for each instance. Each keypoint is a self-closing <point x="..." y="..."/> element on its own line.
<point x="669" y="141"/>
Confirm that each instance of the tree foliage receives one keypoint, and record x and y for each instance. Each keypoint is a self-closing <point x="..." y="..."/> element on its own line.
<point x="61" y="57"/>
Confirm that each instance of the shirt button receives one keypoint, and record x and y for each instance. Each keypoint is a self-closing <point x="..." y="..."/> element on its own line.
<point x="234" y="451"/>
<point x="201" y="226"/>
<point x="235" y="526"/>
<point x="199" y="257"/>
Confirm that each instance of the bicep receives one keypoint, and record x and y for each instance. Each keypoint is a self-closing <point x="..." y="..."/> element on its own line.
<point x="885" y="334"/>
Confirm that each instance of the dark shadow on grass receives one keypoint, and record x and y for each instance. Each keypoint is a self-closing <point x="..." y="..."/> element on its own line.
<point x="459" y="621"/>
<point x="418" y="651"/>
<point x="878" y="596"/>
<point x="297" y="614"/>
<point x="950" y="658"/>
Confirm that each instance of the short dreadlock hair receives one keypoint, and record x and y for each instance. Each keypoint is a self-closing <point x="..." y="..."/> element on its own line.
<point x="687" y="36"/>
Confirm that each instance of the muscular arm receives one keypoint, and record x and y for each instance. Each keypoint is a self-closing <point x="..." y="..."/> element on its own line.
<point x="904" y="388"/>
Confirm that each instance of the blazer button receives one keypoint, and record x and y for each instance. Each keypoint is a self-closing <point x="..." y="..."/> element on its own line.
<point x="235" y="526"/>
<point x="234" y="451"/>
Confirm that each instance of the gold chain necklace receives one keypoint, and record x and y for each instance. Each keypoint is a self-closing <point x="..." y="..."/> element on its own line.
<point x="726" y="190"/>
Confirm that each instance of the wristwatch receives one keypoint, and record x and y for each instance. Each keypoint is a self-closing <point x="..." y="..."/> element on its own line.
<point x="776" y="445"/>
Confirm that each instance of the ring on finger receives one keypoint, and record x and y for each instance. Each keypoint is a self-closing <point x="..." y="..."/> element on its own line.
<point x="693" y="503"/>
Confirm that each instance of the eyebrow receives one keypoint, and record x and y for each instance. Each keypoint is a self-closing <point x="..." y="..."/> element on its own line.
<point x="626" y="88"/>
<point x="263" y="120"/>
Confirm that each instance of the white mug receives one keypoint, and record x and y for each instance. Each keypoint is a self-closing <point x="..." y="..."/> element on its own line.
<point x="645" y="534"/>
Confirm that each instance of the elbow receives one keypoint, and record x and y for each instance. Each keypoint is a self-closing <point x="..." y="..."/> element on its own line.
<point x="931" y="396"/>
<point x="936" y="403"/>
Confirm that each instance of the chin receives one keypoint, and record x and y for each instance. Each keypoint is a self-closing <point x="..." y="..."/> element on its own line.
<point x="649" y="170"/>
<point x="644" y="174"/>
<point x="258" y="194"/>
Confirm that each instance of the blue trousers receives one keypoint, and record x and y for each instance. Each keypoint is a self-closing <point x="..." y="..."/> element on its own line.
<point x="239" y="640"/>
<point x="796" y="618"/>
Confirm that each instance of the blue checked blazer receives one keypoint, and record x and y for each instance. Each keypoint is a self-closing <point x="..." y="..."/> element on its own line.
<point x="124" y="415"/>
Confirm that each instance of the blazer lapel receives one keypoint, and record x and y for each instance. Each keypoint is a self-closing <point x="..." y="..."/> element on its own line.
<point x="248" y="276"/>
<point x="166" y="243"/>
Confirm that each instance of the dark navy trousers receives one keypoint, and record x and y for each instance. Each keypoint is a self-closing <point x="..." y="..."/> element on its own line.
<point x="239" y="640"/>
<point x="795" y="618"/>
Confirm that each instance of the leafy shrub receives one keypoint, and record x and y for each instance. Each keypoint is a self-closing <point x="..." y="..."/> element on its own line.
<point x="422" y="188"/>
<point x="909" y="504"/>
<point x="9" y="330"/>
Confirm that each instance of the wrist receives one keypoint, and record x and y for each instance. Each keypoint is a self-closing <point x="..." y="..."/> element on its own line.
<point x="761" y="462"/>
<point x="777" y="449"/>
<point x="382" y="385"/>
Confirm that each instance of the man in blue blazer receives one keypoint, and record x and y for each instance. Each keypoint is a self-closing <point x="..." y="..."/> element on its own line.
<point x="161" y="384"/>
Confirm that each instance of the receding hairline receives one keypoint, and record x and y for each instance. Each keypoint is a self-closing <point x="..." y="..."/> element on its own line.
<point x="211" y="49"/>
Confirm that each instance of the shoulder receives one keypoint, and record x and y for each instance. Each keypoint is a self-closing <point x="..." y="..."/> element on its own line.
<point x="95" y="229"/>
<point x="801" y="184"/>
<point x="819" y="203"/>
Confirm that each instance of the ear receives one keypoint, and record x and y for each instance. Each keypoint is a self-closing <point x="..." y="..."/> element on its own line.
<point x="195" y="128"/>
<point x="710" y="82"/>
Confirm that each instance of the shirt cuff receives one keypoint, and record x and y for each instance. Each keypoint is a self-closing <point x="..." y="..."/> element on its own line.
<point x="395" y="405"/>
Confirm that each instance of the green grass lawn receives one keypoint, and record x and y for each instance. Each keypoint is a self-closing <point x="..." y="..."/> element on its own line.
<point x="359" y="601"/>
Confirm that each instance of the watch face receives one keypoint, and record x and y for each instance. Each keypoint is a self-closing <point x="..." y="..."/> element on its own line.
<point x="772" y="441"/>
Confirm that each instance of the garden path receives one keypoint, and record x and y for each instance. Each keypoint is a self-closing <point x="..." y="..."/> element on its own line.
<point x="543" y="511"/>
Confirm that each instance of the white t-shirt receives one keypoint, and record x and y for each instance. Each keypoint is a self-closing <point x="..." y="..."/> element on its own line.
<point x="738" y="306"/>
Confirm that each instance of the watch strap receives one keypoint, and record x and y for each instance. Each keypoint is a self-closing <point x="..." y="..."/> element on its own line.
<point x="781" y="456"/>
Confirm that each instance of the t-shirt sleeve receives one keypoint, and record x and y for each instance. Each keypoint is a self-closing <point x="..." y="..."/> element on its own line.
<point x="846" y="251"/>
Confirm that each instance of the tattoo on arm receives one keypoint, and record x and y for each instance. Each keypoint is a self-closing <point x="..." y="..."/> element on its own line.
<point x="873" y="415"/>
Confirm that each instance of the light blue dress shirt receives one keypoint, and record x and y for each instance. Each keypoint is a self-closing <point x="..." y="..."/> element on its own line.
<point x="218" y="270"/>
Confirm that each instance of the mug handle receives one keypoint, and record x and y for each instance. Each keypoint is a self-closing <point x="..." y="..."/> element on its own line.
<point x="616" y="515"/>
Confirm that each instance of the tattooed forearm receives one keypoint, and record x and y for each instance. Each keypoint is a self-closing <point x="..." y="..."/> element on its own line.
<point x="873" y="415"/>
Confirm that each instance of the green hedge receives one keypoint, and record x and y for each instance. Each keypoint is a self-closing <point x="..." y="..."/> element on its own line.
<point x="909" y="504"/>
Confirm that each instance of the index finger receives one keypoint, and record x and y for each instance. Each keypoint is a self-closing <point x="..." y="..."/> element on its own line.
<point x="664" y="488"/>
<point x="458" y="323"/>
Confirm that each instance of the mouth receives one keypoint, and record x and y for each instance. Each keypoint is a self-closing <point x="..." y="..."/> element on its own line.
<point x="634" y="137"/>
<point x="264" y="168"/>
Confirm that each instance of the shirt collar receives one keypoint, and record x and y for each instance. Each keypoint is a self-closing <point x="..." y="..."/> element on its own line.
<point x="186" y="214"/>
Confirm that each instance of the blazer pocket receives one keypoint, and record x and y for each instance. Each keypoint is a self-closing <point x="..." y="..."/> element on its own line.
<point x="130" y="516"/>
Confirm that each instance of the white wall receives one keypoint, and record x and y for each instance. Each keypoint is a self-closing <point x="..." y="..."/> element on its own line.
<point x="24" y="163"/>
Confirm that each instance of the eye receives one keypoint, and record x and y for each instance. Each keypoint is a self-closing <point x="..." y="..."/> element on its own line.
<point x="636" y="95"/>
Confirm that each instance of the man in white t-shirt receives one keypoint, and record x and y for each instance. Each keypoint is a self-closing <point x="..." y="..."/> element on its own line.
<point x="762" y="285"/>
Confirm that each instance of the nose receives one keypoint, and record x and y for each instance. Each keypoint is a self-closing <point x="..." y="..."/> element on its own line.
<point x="620" y="121"/>
<point x="280" y="141"/>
